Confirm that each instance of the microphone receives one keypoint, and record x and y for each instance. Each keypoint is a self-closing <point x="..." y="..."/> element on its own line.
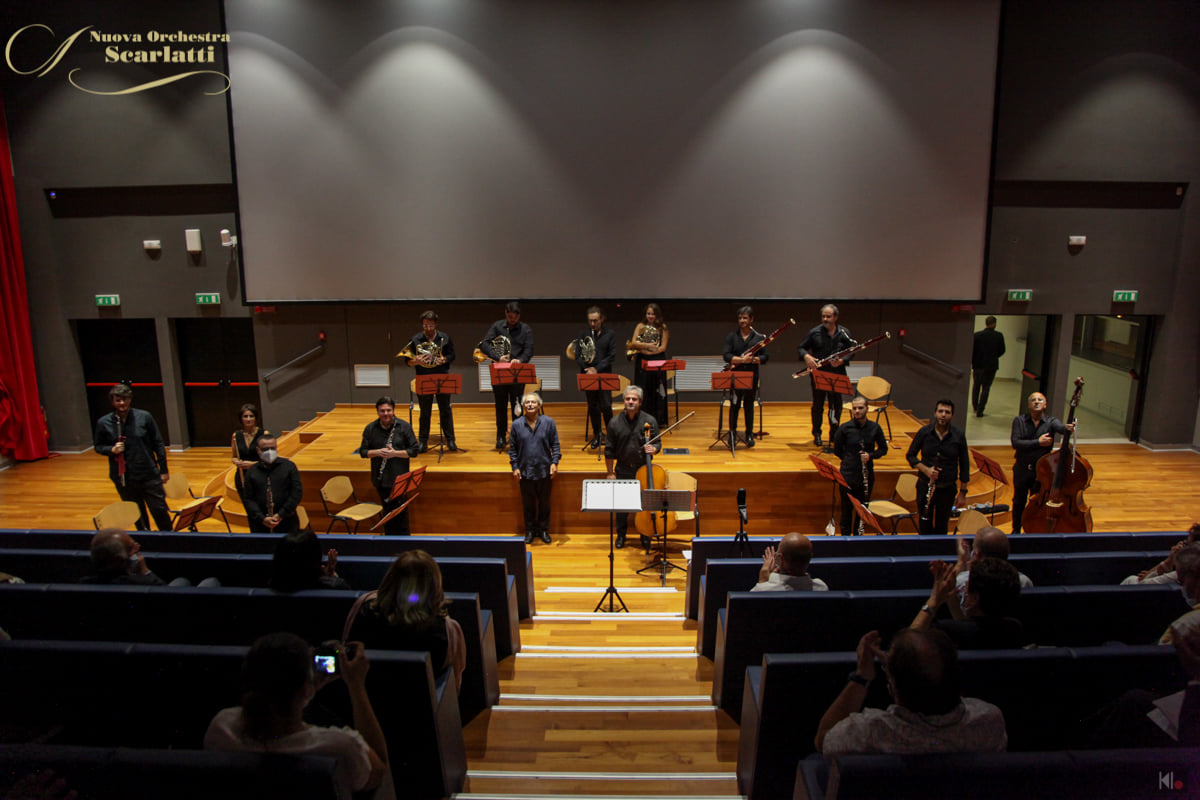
<point x="741" y="504"/>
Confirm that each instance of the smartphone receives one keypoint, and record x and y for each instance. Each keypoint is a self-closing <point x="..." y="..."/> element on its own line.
<point x="325" y="660"/>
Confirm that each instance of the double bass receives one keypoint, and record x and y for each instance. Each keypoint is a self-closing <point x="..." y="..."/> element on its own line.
<point x="653" y="523"/>
<point x="1063" y="475"/>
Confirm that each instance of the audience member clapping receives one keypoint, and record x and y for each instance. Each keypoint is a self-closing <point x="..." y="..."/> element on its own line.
<point x="297" y="565"/>
<point x="408" y="612"/>
<point x="786" y="569"/>
<point x="929" y="714"/>
<point x="989" y="542"/>
<point x="117" y="559"/>
<point x="1165" y="570"/>
<point x="278" y="682"/>
<point x="983" y="619"/>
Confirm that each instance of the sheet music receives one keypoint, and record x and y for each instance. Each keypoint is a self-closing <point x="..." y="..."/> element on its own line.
<point x="606" y="495"/>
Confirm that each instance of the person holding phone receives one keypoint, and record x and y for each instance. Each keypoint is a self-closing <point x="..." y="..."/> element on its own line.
<point x="279" y="679"/>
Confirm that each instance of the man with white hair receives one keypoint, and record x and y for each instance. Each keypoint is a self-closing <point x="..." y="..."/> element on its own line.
<point x="534" y="454"/>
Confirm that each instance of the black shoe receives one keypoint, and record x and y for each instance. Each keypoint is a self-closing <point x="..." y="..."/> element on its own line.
<point x="424" y="447"/>
<point x="979" y="413"/>
<point x="499" y="442"/>
<point x="645" y="540"/>
<point x="817" y="440"/>
<point x="546" y="537"/>
<point x="595" y="443"/>
<point x="451" y="446"/>
<point x="749" y="440"/>
<point x="620" y="540"/>
<point x="528" y="537"/>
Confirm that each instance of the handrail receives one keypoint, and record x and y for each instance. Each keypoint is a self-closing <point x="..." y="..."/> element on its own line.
<point x="318" y="349"/>
<point x="937" y="362"/>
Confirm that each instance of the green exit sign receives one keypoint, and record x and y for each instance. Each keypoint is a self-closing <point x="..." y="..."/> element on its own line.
<point x="208" y="298"/>
<point x="1125" y="296"/>
<point x="1020" y="295"/>
<point x="108" y="299"/>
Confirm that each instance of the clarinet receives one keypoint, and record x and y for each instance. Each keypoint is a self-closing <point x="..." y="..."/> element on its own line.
<point x="862" y="446"/>
<point x="120" y="455"/>
<point x="270" y="498"/>
<point x="383" y="461"/>
<point x="929" y="494"/>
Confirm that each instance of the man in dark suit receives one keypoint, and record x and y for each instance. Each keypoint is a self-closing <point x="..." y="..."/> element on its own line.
<point x="985" y="360"/>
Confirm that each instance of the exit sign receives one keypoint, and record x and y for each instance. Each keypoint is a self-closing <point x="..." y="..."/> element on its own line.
<point x="1125" y="296"/>
<point x="1020" y="295"/>
<point x="208" y="298"/>
<point x="108" y="299"/>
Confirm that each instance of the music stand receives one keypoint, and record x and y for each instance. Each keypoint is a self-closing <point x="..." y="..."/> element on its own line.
<point x="663" y="367"/>
<point x="865" y="515"/>
<point x="439" y="383"/>
<point x="615" y="497"/>
<point x="729" y="382"/>
<point x="508" y="373"/>
<point x="663" y="500"/>
<point x="408" y="482"/>
<point x="994" y="471"/>
<point x="196" y="512"/>
<point x="596" y="382"/>
<point x="831" y="382"/>
<point x="830" y="473"/>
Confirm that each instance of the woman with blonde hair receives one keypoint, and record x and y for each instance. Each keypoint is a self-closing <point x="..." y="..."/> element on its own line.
<point x="408" y="612"/>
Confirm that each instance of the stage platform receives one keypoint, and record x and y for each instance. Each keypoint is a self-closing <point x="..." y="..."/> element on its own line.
<point x="473" y="491"/>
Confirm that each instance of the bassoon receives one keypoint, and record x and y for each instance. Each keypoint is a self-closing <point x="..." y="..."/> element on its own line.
<point x="849" y="351"/>
<point x="754" y="349"/>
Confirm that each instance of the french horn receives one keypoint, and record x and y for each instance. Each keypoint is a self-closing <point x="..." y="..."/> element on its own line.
<point x="425" y="355"/>
<point x="649" y="335"/>
<point x="500" y="344"/>
<point x="585" y="346"/>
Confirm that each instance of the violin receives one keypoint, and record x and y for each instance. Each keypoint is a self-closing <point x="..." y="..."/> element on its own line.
<point x="653" y="523"/>
<point x="1059" y="506"/>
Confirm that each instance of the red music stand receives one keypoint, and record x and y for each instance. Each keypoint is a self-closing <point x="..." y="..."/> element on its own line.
<point x="664" y="366"/>
<point x="408" y="482"/>
<point x="196" y="512"/>
<point x="832" y="382"/>
<point x="729" y="382"/>
<point x="439" y="383"/>
<point x="509" y="372"/>
<point x="993" y="470"/>
<point x="834" y="475"/>
<point x="596" y="382"/>
<point x="865" y="515"/>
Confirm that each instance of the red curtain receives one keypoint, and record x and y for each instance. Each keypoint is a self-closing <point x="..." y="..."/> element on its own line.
<point x="22" y="429"/>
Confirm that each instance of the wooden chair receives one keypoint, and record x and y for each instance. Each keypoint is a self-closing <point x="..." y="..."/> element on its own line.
<point x="682" y="481"/>
<point x="879" y="396"/>
<point x="302" y="518"/>
<point x="338" y="491"/>
<point x="970" y="521"/>
<point x="177" y="489"/>
<point x="122" y="514"/>
<point x="894" y="512"/>
<point x="672" y="395"/>
<point x="619" y="395"/>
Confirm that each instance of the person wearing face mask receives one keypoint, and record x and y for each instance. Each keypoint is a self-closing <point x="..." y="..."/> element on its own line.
<point x="117" y="560"/>
<point x="272" y="491"/>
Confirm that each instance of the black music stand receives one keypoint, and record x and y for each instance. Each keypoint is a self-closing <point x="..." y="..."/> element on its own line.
<point x="408" y="482"/>
<point x="834" y="475"/>
<point x="664" y="500"/>
<point x="994" y="471"/>
<point x="596" y="382"/>
<point x="663" y="367"/>
<point x="728" y="382"/>
<point x="197" y="512"/>
<point x="832" y="382"/>
<point x="440" y="383"/>
<point x="510" y="372"/>
<point x="615" y="497"/>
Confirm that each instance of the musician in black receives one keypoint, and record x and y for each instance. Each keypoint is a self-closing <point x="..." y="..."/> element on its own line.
<point x="736" y="345"/>
<point x="273" y="491"/>
<point x="137" y="457"/>
<point x="986" y="350"/>
<point x="858" y="443"/>
<point x="1032" y="438"/>
<point x="649" y="342"/>
<point x="821" y="342"/>
<point x="625" y="450"/>
<point x="939" y="452"/>
<point x="508" y="340"/>
<point x="435" y="354"/>
<point x="389" y="443"/>
<point x="595" y="351"/>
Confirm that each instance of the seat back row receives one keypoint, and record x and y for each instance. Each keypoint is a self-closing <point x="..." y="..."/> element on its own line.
<point x="511" y="548"/>
<point x="1044" y="693"/>
<point x="755" y="623"/>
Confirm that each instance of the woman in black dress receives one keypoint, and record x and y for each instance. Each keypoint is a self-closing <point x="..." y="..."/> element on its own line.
<point x="245" y="443"/>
